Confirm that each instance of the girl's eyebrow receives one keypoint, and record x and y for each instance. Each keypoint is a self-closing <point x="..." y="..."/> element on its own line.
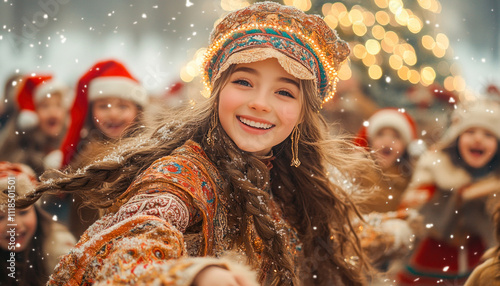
<point x="255" y="72"/>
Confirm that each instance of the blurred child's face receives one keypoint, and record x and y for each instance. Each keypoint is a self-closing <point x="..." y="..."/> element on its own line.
<point x="260" y="105"/>
<point x="51" y="114"/>
<point x="477" y="146"/>
<point x="20" y="235"/>
<point x="388" y="147"/>
<point x="112" y="115"/>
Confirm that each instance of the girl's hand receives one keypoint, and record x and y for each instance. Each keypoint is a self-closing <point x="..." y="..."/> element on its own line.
<point x="217" y="276"/>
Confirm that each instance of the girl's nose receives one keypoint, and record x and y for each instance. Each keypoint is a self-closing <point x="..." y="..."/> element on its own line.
<point x="260" y="101"/>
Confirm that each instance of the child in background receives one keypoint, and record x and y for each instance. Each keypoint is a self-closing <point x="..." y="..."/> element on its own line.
<point x="110" y="101"/>
<point x="390" y="134"/>
<point x="244" y="171"/>
<point x="39" y="242"/>
<point x="452" y="187"/>
<point x="39" y="127"/>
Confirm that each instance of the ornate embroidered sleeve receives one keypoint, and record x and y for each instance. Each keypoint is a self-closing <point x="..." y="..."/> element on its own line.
<point x="164" y="205"/>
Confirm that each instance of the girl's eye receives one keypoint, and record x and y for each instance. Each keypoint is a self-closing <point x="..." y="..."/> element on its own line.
<point x="285" y="93"/>
<point x="23" y="212"/>
<point x="242" y="82"/>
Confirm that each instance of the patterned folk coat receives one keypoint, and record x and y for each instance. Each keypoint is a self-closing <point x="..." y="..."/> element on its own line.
<point x="173" y="212"/>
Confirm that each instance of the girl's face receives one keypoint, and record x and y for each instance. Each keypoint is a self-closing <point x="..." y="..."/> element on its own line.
<point x="20" y="235"/>
<point x="388" y="146"/>
<point x="260" y="105"/>
<point x="52" y="114"/>
<point x="477" y="146"/>
<point x="112" y="115"/>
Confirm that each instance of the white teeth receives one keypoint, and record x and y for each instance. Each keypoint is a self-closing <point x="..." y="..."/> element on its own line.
<point x="256" y="124"/>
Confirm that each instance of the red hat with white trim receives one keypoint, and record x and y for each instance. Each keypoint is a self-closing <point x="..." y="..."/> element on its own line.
<point x="33" y="89"/>
<point x="394" y="118"/>
<point x="108" y="78"/>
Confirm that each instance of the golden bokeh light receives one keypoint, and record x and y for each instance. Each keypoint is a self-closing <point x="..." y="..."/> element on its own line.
<point x="435" y="7"/>
<point x="428" y="42"/>
<point x="355" y="15"/>
<point x="386" y="47"/>
<point x="402" y="17"/>
<point x="382" y="18"/>
<point x="404" y="73"/>
<point x="303" y="5"/>
<point x="395" y="62"/>
<point x="230" y="5"/>
<point x="442" y="41"/>
<point x="331" y="21"/>
<point x="378" y="32"/>
<point x="410" y="57"/>
<point x="448" y="83"/>
<point x="369" y="18"/>
<point x="438" y="52"/>
<point x="359" y="29"/>
<point x="426" y="4"/>
<point x="185" y="76"/>
<point x="427" y="76"/>
<point x="415" y="25"/>
<point x="344" y="19"/>
<point x="391" y="38"/>
<point x="414" y="76"/>
<point x="326" y="8"/>
<point x="338" y="8"/>
<point x="345" y="72"/>
<point x="395" y="6"/>
<point x="382" y="3"/>
<point x="375" y="72"/>
<point x="459" y="83"/>
<point x="359" y="51"/>
<point x="372" y="46"/>
<point x="369" y="60"/>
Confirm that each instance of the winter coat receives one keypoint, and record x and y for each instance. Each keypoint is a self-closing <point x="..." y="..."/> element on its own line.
<point x="173" y="211"/>
<point x="454" y="206"/>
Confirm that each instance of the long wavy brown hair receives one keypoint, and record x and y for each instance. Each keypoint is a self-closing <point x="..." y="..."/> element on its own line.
<point x="318" y="210"/>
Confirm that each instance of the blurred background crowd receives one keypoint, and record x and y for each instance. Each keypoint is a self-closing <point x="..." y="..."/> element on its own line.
<point x="420" y="87"/>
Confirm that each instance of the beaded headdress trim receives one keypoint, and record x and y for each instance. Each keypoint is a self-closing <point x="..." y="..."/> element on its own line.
<point x="269" y="30"/>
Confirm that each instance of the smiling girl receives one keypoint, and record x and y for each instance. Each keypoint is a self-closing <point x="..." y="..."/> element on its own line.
<point x="27" y="234"/>
<point x="40" y="125"/>
<point x="243" y="172"/>
<point x="453" y="186"/>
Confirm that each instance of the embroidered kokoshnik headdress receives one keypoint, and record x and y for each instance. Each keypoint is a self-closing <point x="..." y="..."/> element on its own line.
<point x="303" y="44"/>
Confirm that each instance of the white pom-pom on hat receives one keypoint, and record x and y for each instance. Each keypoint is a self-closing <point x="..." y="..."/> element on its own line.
<point x="53" y="160"/>
<point x="27" y="119"/>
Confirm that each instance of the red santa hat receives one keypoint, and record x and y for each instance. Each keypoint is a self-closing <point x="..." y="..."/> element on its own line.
<point x="108" y="78"/>
<point x="33" y="89"/>
<point x="394" y="118"/>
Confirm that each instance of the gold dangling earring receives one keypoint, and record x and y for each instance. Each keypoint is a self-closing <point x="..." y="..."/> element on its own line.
<point x="295" y="147"/>
<point x="213" y="124"/>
